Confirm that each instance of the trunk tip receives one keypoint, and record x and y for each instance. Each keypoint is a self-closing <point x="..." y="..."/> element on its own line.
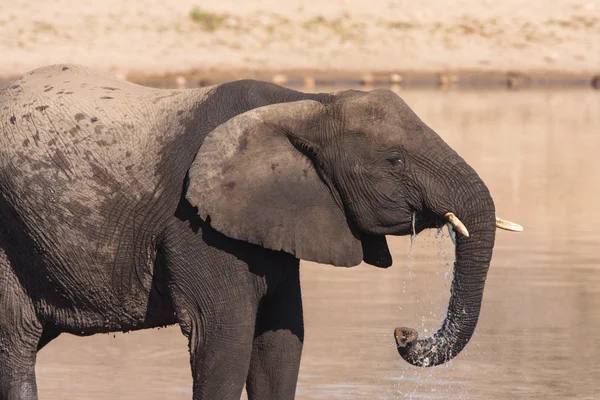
<point x="420" y="353"/>
<point x="405" y="336"/>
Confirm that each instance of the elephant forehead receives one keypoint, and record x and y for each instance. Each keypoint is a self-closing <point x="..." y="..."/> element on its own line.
<point x="386" y="133"/>
<point x="383" y="118"/>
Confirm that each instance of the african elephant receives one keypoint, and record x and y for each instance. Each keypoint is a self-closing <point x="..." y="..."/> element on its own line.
<point x="124" y="207"/>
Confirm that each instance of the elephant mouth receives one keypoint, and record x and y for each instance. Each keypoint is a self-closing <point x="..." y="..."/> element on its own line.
<point x="418" y="221"/>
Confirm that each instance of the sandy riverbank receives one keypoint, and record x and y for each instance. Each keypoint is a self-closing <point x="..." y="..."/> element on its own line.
<point x="351" y="36"/>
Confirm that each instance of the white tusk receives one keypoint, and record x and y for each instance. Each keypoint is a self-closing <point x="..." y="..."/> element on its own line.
<point x="456" y="224"/>
<point x="508" y="226"/>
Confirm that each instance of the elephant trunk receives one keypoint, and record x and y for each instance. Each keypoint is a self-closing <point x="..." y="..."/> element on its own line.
<point x="474" y="206"/>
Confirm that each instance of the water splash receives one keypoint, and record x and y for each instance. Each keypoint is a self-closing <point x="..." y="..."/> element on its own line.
<point x="413" y="240"/>
<point x="451" y="233"/>
<point x="430" y="310"/>
<point x="413" y="237"/>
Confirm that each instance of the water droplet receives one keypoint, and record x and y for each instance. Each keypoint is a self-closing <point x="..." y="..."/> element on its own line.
<point x="451" y="233"/>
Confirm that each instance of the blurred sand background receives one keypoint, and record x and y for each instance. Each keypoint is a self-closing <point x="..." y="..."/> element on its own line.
<point x="156" y="37"/>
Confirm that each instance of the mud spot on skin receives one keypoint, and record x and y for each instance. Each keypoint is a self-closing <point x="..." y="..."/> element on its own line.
<point x="73" y="131"/>
<point x="41" y="108"/>
<point x="79" y="209"/>
<point x="12" y="120"/>
<point x="26" y="143"/>
<point x="26" y="117"/>
<point x="61" y="160"/>
<point x="38" y="165"/>
<point x="229" y="185"/>
<point x="15" y="86"/>
<point x="88" y="155"/>
<point x="94" y="119"/>
<point x="48" y="89"/>
<point x="109" y="88"/>
<point x="65" y="68"/>
<point x="79" y="117"/>
<point x="103" y="178"/>
<point x="274" y="166"/>
<point x="68" y="92"/>
<point x="375" y="113"/>
<point x="243" y="143"/>
<point x="127" y="154"/>
<point x="106" y="98"/>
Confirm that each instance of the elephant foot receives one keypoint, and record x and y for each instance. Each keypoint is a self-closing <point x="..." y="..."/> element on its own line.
<point x="405" y="336"/>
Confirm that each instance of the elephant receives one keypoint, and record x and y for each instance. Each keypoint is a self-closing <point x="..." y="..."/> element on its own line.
<point x="125" y="207"/>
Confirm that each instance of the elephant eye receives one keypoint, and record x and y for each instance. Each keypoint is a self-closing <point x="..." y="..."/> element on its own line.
<point x="396" y="161"/>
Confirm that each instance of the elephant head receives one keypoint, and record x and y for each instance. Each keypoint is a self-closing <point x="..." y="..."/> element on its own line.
<point x="326" y="181"/>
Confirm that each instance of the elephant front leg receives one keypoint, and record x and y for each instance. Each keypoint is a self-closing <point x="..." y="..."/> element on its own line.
<point x="18" y="348"/>
<point x="220" y="342"/>
<point x="220" y="351"/>
<point x="277" y="346"/>
<point x="20" y="333"/>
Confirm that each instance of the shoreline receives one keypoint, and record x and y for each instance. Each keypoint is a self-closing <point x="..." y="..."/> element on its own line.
<point x="307" y="79"/>
<point x="403" y="79"/>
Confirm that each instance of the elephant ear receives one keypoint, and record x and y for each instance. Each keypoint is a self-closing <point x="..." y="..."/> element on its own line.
<point x="256" y="186"/>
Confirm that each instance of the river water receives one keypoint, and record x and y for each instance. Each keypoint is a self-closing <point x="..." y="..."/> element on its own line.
<point x="539" y="331"/>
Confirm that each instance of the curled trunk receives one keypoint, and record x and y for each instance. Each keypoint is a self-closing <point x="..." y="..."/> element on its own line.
<point x="475" y="208"/>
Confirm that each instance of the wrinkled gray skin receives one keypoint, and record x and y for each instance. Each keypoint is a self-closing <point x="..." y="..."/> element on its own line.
<point x="124" y="207"/>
